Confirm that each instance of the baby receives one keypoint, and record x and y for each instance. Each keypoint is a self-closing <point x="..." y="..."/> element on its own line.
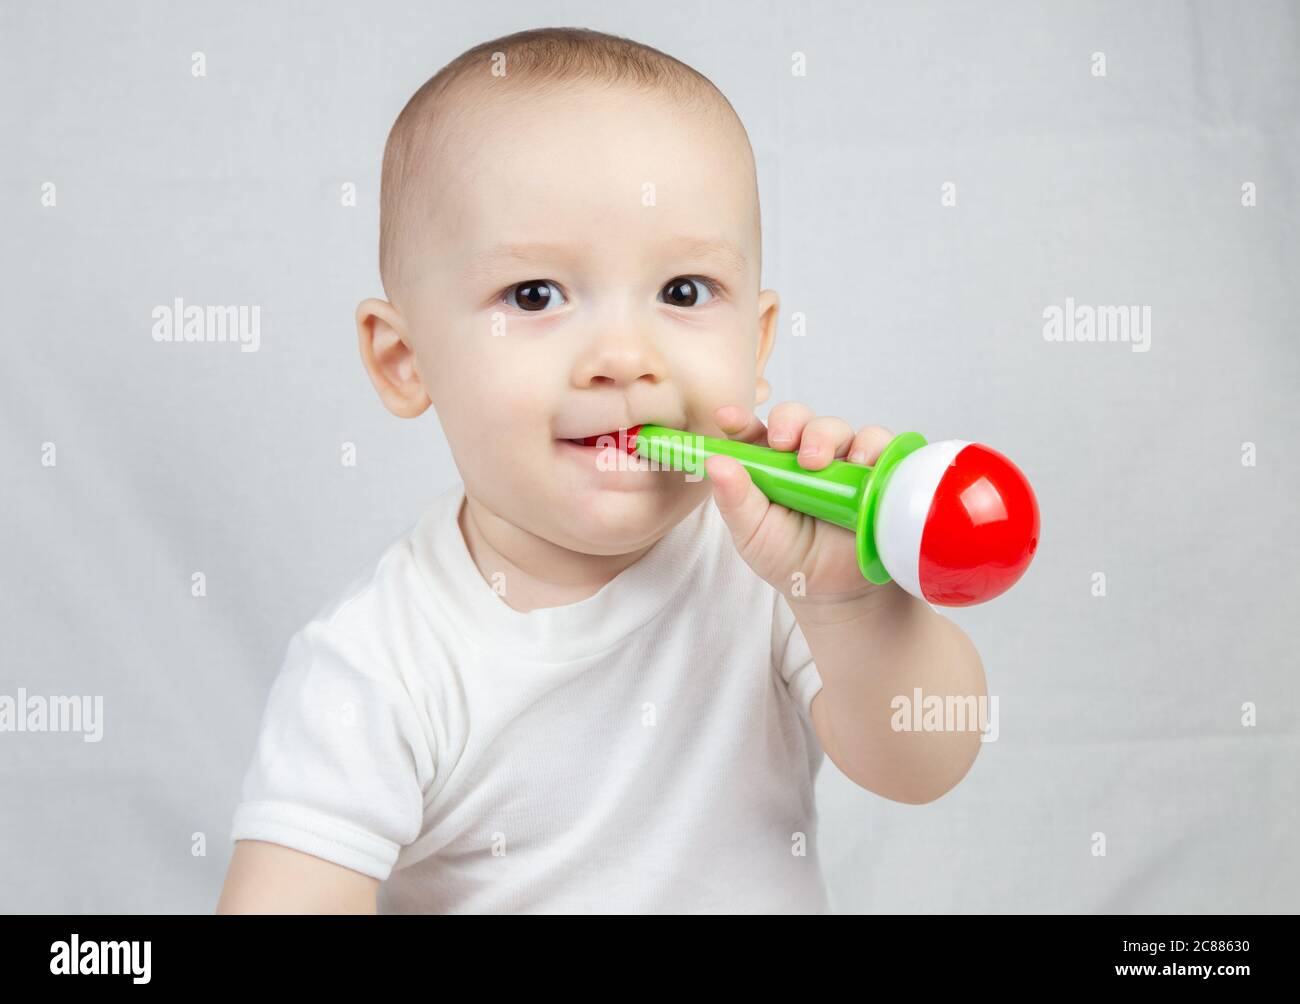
<point x="579" y="682"/>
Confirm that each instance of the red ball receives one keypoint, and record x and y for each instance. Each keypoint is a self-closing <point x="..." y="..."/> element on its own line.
<point x="981" y="531"/>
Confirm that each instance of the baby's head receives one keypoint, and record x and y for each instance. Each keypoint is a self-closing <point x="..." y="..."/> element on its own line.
<point x="570" y="245"/>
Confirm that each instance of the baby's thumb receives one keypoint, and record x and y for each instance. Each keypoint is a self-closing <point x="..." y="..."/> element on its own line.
<point x="742" y="505"/>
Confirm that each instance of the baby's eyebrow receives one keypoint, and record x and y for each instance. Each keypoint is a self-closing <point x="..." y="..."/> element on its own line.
<point x="721" y="251"/>
<point x="485" y="263"/>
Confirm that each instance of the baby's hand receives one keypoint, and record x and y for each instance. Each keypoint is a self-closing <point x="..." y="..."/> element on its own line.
<point x="806" y="559"/>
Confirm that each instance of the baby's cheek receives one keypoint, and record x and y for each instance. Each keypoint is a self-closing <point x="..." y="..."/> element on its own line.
<point x="475" y="370"/>
<point x="526" y="396"/>
<point x="711" y="388"/>
<point x="439" y="367"/>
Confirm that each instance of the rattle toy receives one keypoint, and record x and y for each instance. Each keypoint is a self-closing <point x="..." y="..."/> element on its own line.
<point x="952" y="522"/>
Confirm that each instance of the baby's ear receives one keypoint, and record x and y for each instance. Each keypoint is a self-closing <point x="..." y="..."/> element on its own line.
<point x="388" y="358"/>
<point x="769" y="305"/>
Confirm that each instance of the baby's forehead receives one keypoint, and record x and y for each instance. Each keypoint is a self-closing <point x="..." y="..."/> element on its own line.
<point x="650" y="143"/>
<point x="522" y="116"/>
<point x="501" y="161"/>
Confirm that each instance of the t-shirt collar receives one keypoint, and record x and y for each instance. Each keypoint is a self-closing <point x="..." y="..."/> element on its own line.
<point x="555" y="634"/>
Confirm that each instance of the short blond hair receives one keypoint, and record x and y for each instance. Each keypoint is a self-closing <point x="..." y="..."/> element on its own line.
<point x="543" y="58"/>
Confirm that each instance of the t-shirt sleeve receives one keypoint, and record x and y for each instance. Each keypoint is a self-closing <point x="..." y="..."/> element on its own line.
<point x="340" y="757"/>
<point x="792" y="658"/>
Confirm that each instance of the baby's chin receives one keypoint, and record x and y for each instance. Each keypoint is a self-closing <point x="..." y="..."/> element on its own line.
<point x="600" y="521"/>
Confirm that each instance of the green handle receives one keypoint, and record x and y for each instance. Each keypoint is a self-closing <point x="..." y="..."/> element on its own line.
<point x="841" y="493"/>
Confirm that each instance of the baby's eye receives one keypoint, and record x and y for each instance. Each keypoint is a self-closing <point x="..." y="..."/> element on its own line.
<point x="685" y="290"/>
<point x="534" y="295"/>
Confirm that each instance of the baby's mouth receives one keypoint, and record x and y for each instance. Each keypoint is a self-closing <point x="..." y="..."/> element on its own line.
<point x="624" y="438"/>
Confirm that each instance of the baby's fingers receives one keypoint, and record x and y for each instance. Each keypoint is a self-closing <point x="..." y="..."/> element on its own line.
<point x="824" y="439"/>
<point x="741" y="424"/>
<point x="868" y="443"/>
<point x="741" y="504"/>
<point x="785" y="424"/>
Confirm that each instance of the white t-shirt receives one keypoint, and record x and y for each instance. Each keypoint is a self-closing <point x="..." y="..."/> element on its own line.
<point x="646" y="750"/>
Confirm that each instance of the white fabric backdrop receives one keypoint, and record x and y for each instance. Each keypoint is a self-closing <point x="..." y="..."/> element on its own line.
<point x="1119" y="715"/>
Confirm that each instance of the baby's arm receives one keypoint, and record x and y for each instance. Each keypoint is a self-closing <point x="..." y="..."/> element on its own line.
<point x="336" y="786"/>
<point x="889" y="646"/>
<point x="268" y="878"/>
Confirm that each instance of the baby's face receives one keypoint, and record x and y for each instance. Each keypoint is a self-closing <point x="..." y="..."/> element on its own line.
<point x="597" y="269"/>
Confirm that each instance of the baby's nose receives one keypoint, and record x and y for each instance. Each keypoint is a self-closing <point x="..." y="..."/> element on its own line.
<point x="620" y="362"/>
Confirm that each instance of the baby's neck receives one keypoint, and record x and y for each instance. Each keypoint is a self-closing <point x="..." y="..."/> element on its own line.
<point x="529" y="572"/>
